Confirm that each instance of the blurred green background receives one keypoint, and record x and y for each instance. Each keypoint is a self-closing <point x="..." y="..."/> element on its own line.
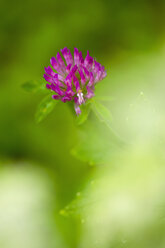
<point x="63" y="185"/>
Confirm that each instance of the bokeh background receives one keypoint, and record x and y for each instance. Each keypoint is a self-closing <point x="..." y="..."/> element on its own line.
<point x="69" y="186"/>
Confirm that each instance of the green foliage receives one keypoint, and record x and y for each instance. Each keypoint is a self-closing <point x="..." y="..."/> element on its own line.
<point x="34" y="86"/>
<point x="47" y="105"/>
<point x="96" y="144"/>
<point x="100" y="110"/>
<point x="94" y="153"/>
<point x="115" y="212"/>
<point x="85" y="110"/>
<point x="44" y="108"/>
<point x="102" y="113"/>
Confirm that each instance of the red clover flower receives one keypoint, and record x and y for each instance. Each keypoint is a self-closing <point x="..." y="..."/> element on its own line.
<point x="75" y="80"/>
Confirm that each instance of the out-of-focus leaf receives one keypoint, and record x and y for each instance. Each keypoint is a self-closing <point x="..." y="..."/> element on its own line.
<point x="104" y="115"/>
<point x="96" y="144"/>
<point x="45" y="107"/>
<point x="85" y="110"/>
<point x="102" y="112"/>
<point x="93" y="155"/>
<point x="34" y="86"/>
<point x="77" y="205"/>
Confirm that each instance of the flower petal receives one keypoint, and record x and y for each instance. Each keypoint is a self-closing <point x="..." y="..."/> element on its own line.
<point x="68" y="80"/>
<point x="76" y="56"/>
<point x="56" y="97"/>
<point x="67" y="55"/>
<point x="70" y="92"/>
<point x="55" y="65"/>
<point x="60" y="61"/>
<point x="81" y="58"/>
<point x="91" y="81"/>
<point x="80" y="98"/>
<point x="76" y="106"/>
<point x="86" y="72"/>
<point x="58" y="90"/>
<point x="66" y="98"/>
<point x="76" y="82"/>
<point x="48" y="86"/>
<point x="57" y="81"/>
<point x="48" y="78"/>
<point x="88" y="62"/>
<point x="83" y="79"/>
<point x="49" y="71"/>
<point x="90" y="92"/>
<point x="68" y="68"/>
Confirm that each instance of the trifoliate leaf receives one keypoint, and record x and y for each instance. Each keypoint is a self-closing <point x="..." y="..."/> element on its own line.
<point x="102" y="112"/>
<point x="34" y="86"/>
<point x="44" y="108"/>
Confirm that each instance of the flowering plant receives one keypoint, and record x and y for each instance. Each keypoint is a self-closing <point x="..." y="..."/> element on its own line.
<point x="72" y="80"/>
<point x="75" y="80"/>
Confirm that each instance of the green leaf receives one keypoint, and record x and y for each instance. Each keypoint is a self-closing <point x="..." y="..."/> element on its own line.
<point x="34" y="86"/>
<point x="104" y="115"/>
<point x="102" y="112"/>
<point x="85" y="110"/>
<point x="44" y="108"/>
<point x="95" y="145"/>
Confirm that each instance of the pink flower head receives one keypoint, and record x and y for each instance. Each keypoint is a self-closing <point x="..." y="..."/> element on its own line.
<point x="75" y="78"/>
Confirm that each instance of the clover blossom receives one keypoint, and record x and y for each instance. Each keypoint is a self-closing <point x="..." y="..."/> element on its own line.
<point x="75" y="80"/>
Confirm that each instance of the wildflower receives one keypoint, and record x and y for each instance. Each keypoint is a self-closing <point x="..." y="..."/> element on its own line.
<point x="74" y="80"/>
